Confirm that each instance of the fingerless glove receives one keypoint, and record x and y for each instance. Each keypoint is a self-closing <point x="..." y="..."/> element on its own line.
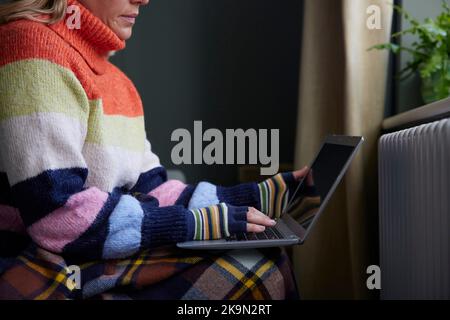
<point x="216" y="222"/>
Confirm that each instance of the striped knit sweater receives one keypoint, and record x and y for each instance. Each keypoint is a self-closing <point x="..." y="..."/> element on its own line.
<point x="77" y="173"/>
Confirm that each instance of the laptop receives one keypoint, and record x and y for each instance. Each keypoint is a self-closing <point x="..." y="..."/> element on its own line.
<point x="305" y="206"/>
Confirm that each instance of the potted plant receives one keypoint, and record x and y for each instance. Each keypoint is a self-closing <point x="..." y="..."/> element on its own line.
<point x="430" y="53"/>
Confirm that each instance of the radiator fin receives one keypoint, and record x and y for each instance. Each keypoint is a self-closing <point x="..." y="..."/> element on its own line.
<point x="414" y="195"/>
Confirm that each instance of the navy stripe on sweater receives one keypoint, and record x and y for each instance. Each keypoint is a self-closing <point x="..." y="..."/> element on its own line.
<point x="5" y="190"/>
<point x="37" y="197"/>
<point x="149" y="180"/>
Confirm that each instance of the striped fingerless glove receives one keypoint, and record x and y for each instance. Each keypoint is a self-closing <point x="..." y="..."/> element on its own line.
<point x="216" y="222"/>
<point x="275" y="193"/>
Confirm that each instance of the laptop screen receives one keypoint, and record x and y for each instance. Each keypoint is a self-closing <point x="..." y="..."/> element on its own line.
<point x="314" y="188"/>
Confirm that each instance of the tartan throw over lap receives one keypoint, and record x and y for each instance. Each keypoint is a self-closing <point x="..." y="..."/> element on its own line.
<point x="166" y="273"/>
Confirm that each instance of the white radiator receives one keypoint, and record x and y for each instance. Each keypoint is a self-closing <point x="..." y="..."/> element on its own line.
<point x="414" y="193"/>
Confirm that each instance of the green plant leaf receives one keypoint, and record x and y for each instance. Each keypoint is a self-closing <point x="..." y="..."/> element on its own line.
<point x="431" y="65"/>
<point x="429" y="52"/>
<point x="395" y="48"/>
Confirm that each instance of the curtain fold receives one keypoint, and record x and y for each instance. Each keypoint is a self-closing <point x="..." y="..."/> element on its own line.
<point x="342" y="91"/>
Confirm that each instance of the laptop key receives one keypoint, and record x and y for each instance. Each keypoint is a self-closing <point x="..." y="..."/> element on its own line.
<point x="261" y="236"/>
<point x="277" y="233"/>
<point x="241" y="237"/>
<point x="270" y="234"/>
<point x="251" y="236"/>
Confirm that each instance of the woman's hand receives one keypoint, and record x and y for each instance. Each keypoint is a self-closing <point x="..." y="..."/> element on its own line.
<point x="258" y="221"/>
<point x="300" y="174"/>
<point x="276" y="192"/>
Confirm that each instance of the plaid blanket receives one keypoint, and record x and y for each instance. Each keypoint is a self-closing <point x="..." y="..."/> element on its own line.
<point x="167" y="273"/>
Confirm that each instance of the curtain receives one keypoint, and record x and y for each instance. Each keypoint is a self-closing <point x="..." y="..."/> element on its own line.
<point x="342" y="91"/>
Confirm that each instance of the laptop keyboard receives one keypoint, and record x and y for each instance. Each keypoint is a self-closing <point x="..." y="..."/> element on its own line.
<point x="268" y="234"/>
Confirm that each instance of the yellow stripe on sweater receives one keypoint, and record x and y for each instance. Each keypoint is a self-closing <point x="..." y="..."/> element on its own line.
<point x="35" y="85"/>
<point x="215" y="222"/>
<point x="205" y="223"/>
<point x="115" y="130"/>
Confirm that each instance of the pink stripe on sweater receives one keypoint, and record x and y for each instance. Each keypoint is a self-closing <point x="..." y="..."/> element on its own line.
<point x="168" y="192"/>
<point x="10" y="219"/>
<point x="67" y="223"/>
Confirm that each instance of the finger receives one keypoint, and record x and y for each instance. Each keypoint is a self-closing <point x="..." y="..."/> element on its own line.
<point x="298" y="174"/>
<point x="310" y="179"/>
<point x="256" y="217"/>
<point x="255" y="228"/>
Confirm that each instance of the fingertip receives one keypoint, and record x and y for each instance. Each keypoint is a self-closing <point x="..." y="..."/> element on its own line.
<point x="255" y="228"/>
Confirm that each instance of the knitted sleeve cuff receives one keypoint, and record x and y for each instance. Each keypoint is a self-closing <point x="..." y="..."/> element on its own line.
<point x="165" y="225"/>
<point x="244" y="194"/>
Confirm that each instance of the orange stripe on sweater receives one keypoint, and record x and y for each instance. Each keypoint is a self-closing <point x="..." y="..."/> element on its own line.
<point x="24" y="39"/>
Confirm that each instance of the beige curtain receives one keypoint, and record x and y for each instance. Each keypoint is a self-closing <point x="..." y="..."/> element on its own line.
<point x="342" y="91"/>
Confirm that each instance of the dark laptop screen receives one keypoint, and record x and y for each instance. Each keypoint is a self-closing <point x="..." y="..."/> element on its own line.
<point x="318" y="183"/>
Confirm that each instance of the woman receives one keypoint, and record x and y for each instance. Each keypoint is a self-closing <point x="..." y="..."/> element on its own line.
<point x="77" y="173"/>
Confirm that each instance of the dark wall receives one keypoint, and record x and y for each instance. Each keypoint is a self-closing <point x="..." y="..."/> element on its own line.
<point x="230" y="63"/>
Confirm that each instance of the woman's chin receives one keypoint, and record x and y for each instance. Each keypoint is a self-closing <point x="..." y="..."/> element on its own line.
<point x="124" y="33"/>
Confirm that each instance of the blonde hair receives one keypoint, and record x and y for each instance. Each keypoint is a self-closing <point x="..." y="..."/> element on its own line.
<point x="33" y="9"/>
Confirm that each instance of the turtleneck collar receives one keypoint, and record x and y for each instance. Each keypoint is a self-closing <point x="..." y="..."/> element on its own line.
<point x="94" y="40"/>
